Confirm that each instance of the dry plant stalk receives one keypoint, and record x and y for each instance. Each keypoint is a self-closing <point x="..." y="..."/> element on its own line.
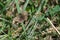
<point x="53" y="26"/>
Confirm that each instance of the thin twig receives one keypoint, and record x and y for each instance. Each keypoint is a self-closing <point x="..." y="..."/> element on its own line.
<point x="53" y="26"/>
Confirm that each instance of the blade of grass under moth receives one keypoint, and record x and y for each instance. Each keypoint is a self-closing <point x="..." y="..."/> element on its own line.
<point x="17" y="6"/>
<point x="23" y="26"/>
<point x="25" y="5"/>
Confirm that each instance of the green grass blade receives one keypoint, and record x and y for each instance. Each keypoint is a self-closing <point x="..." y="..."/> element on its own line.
<point x="25" y="5"/>
<point x="17" y="6"/>
<point x="40" y="6"/>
